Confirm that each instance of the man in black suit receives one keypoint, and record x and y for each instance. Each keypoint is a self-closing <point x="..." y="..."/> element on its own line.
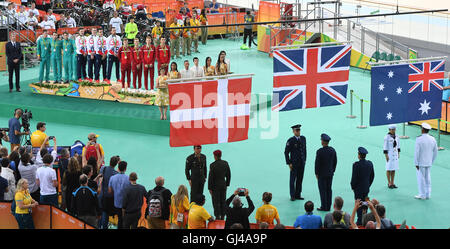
<point x="14" y="55"/>
<point x="219" y="180"/>
<point x="362" y="178"/>
<point x="295" y="154"/>
<point x="325" y="166"/>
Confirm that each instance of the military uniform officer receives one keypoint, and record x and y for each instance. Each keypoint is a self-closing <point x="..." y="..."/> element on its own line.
<point x="55" y="58"/>
<point x="325" y="166"/>
<point x="362" y="178"/>
<point x="424" y="155"/>
<point x="391" y="150"/>
<point x="218" y="181"/>
<point x="295" y="154"/>
<point x="196" y="171"/>
<point x="43" y="53"/>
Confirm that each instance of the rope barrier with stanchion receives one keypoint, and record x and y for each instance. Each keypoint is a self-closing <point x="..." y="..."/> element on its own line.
<point x="351" y="105"/>
<point x="439" y="132"/>
<point x="403" y="136"/>
<point x="362" y="126"/>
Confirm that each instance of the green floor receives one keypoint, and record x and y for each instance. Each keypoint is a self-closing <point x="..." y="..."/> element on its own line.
<point x="258" y="163"/>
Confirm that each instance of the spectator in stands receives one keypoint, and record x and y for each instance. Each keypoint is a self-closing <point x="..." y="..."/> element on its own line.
<point x="47" y="181"/>
<point x="370" y="224"/>
<point x="158" y="205"/>
<point x="337" y="206"/>
<point x="71" y="181"/>
<point x="14" y="160"/>
<point x="47" y="24"/>
<point x="37" y="138"/>
<point x="93" y="149"/>
<point x="11" y="12"/>
<point x="197" y="71"/>
<point x="47" y="5"/>
<point x="221" y="65"/>
<point x="28" y="172"/>
<point x="39" y="4"/>
<point x="218" y="181"/>
<point x="3" y="153"/>
<point x="238" y="214"/>
<point x="263" y="225"/>
<point x="22" y="17"/>
<point x="209" y="69"/>
<point x="34" y="10"/>
<point x="366" y="217"/>
<point x="3" y="186"/>
<point x="51" y="17"/>
<point x="308" y="220"/>
<point x="92" y="182"/>
<point x="267" y="213"/>
<point x="279" y="226"/>
<point x="214" y="7"/>
<point x="337" y="221"/>
<point x="32" y="21"/>
<point x="85" y="202"/>
<point x="62" y="23"/>
<point x="117" y="23"/>
<point x="63" y="162"/>
<point x="131" y="30"/>
<point x="106" y="199"/>
<point x="8" y="174"/>
<point x="70" y="21"/>
<point x="117" y="183"/>
<point x="94" y="165"/>
<point x="385" y="222"/>
<point x="109" y="4"/>
<point x="179" y="208"/>
<point x="24" y="204"/>
<point x="133" y="199"/>
<point x="198" y="214"/>
<point x="44" y="151"/>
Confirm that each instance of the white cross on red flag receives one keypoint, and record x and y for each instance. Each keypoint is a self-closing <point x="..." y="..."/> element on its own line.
<point x="209" y="112"/>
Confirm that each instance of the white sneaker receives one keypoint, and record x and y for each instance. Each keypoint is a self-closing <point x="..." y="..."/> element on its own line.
<point x="419" y="197"/>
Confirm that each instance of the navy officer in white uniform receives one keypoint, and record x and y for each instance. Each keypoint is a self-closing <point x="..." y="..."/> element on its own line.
<point x="424" y="156"/>
<point x="391" y="150"/>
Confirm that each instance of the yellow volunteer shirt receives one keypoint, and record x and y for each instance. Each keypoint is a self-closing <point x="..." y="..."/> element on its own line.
<point x="99" y="146"/>
<point x="157" y="32"/>
<point x="37" y="138"/>
<point x="25" y="197"/>
<point x="194" y="22"/>
<point x="197" y="217"/>
<point x="267" y="213"/>
<point x="182" y="207"/>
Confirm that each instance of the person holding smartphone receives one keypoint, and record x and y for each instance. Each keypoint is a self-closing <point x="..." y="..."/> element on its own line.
<point x="236" y="213"/>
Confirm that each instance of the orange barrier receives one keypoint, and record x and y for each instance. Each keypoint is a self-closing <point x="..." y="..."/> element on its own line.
<point x="62" y="220"/>
<point x="268" y="12"/>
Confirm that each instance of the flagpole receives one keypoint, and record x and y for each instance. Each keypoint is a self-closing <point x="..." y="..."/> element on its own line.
<point x="208" y="78"/>
<point x="308" y="45"/>
<point x="404" y="135"/>
<point x="409" y="60"/>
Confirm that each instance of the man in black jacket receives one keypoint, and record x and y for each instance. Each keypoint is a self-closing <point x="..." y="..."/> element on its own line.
<point x="154" y="196"/>
<point x="196" y="171"/>
<point x="325" y="166"/>
<point x="85" y="202"/>
<point x="362" y="178"/>
<point x="238" y="214"/>
<point x="14" y="55"/>
<point x="295" y="154"/>
<point x="219" y="180"/>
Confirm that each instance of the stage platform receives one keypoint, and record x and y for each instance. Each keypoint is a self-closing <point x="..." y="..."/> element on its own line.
<point x="85" y="112"/>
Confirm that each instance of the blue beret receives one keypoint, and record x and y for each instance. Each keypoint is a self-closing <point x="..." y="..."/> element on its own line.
<point x="362" y="150"/>
<point x="325" y="137"/>
<point x="297" y="127"/>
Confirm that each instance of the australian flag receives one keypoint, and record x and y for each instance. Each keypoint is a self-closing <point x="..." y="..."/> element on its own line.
<point x="310" y="77"/>
<point x="406" y="92"/>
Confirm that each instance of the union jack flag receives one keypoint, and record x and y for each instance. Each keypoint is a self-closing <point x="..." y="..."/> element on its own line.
<point x="310" y="77"/>
<point x="426" y="77"/>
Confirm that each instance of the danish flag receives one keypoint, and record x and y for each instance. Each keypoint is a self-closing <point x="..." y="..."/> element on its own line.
<point x="426" y="77"/>
<point x="209" y="112"/>
<point x="310" y="77"/>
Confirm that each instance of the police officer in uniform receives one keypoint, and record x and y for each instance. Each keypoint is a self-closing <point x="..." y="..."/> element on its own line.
<point x="362" y="178"/>
<point x="325" y="166"/>
<point x="295" y="154"/>
<point x="196" y="171"/>
<point x="391" y="150"/>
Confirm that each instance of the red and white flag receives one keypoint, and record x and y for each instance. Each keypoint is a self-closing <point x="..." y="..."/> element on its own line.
<point x="209" y="112"/>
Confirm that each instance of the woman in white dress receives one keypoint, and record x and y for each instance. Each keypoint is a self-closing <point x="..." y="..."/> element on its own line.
<point x="391" y="149"/>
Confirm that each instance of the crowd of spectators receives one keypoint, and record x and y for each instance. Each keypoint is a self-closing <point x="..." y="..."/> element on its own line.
<point x="94" y="192"/>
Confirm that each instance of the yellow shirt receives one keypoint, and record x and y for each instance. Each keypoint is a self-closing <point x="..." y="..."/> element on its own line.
<point x="100" y="147"/>
<point x="174" y="75"/>
<point x="38" y="138"/>
<point x="182" y="207"/>
<point x="194" y="22"/>
<point x="210" y="71"/>
<point x="267" y="213"/>
<point x="197" y="217"/>
<point x="174" y="33"/>
<point x="25" y="197"/>
<point x="157" y="32"/>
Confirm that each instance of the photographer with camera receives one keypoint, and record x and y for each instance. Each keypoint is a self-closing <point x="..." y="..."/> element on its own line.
<point x="14" y="127"/>
<point x="238" y="214"/>
<point x="38" y="137"/>
<point x="44" y="151"/>
<point x="370" y="225"/>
